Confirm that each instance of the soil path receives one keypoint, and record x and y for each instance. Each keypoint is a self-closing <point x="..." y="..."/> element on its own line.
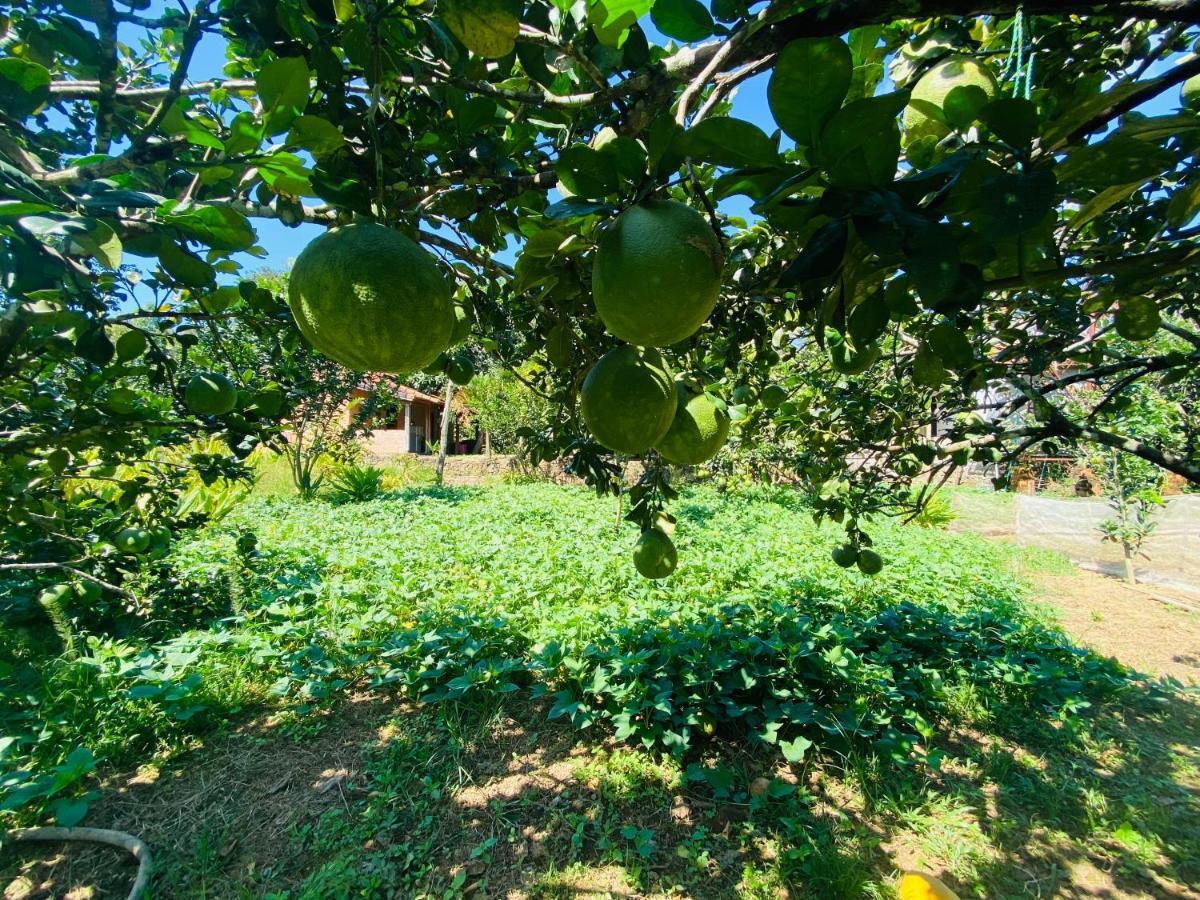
<point x="1126" y="622"/>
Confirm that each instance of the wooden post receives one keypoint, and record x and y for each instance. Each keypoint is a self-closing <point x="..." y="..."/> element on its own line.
<point x="441" y="463"/>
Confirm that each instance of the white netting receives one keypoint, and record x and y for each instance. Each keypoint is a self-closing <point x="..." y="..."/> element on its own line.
<point x="1072" y="527"/>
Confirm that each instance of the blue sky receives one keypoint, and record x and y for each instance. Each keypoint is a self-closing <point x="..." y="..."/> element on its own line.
<point x="750" y="102"/>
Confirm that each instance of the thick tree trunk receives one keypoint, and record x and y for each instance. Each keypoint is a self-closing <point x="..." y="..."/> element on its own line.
<point x="445" y="442"/>
<point x="1130" y="577"/>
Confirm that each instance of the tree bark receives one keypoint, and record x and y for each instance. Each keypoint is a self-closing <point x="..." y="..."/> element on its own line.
<point x="445" y="442"/>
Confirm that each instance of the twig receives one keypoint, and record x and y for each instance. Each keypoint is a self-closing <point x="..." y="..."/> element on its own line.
<point x="135" y="846"/>
<point x="116" y="589"/>
<point x="191" y="37"/>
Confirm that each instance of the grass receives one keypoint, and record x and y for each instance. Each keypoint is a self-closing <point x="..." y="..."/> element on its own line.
<point x="981" y="744"/>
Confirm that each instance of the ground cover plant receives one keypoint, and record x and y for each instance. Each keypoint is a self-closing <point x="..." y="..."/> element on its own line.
<point x="767" y="658"/>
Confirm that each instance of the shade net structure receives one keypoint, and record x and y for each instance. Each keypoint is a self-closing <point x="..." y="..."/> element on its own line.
<point x="1170" y="557"/>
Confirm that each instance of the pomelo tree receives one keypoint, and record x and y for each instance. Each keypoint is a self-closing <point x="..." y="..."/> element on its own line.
<point x="957" y="211"/>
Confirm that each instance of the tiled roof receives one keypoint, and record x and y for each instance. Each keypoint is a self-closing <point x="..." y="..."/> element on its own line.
<point x="403" y="391"/>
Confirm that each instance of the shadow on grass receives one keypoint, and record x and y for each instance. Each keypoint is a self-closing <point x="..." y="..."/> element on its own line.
<point x="455" y="798"/>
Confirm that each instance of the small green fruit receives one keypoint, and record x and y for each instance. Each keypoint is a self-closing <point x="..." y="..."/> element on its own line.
<point x="869" y="562"/>
<point x="132" y="540"/>
<point x="654" y="554"/>
<point x="210" y="394"/>
<point x="460" y="370"/>
<point x="845" y="556"/>
<point x="773" y="396"/>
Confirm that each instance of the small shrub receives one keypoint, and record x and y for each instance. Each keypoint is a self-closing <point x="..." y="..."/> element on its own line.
<point x="356" y="484"/>
<point x="936" y="512"/>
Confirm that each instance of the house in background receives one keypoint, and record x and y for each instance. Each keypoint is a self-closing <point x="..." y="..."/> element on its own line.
<point x="404" y="421"/>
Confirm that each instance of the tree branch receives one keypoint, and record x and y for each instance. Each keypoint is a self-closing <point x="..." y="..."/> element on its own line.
<point x="191" y="38"/>
<point x="1160" y="458"/>
<point x="87" y="576"/>
<point x="1169" y="261"/>
<point x="106" y="27"/>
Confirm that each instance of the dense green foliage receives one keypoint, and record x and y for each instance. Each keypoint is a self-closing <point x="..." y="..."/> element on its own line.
<point x="1020" y="232"/>
<point x="476" y="594"/>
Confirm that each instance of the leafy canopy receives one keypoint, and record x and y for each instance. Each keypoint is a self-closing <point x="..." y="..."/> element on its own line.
<point x="899" y="296"/>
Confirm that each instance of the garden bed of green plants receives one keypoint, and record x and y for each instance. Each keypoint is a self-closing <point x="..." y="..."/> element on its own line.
<point x="454" y="594"/>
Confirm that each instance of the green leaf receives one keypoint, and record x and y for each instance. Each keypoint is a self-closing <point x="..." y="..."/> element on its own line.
<point x="1185" y="203"/>
<point x="821" y="256"/>
<point x="69" y="813"/>
<point x="809" y="83"/>
<point x="684" y="20"/>
<point x="574" y="207"/>
<point x="487" y="28"/>
<point x="736" y="143"/>
<point x="219" y="227"/>
<point x="963" y="105"/>
<point x="869" y="320"/>
<point x="584" y="172"/>
<point x="282" y="87"/>
<point x="176" y="122"/>
<point x="245" y="134"/>
<point x="860" y="146"/>
<point x="317" y="135"/>
<point x="794" y="750"/>
<point x="627" y="155"/>
<point x="24" y="86"/>
<point x="927" y="367"/>
<point x="1013" y="120"/>
<point x="1115" y="160"/>
<point x="184" y="266"/>
<point x="951" y="345"/>
<point x="83" y="235"/>
<point x="1011" y="204"/>
<point x="934" y="272"/>
<point x="1137" y="318"/>
<point x="612" y="19"/>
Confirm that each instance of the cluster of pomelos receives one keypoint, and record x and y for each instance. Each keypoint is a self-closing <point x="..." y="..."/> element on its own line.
<point x="372" y="299"/>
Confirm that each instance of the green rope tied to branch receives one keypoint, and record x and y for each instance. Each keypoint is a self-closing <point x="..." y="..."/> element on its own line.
<point x="1020" y="56"/>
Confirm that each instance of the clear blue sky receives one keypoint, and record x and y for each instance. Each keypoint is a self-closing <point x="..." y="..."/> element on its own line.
<point x="283" y="244"/>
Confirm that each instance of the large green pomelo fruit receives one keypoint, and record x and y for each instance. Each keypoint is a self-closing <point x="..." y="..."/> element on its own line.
<point x="922" y="115"/>
<point x="654" y="554"/>
<point x="132" y="540"/>
<point x="697" y="432"/>
<point x="371" y="299"/>
<point x="210" y="394"/>
<point x="657" y="273"/>
<point x="1190" y="92"/>
<point x="628" y="399"/>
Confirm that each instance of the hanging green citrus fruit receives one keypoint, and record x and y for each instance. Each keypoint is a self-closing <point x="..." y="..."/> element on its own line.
<point x="460" y="370"/>
<point x="697" y="432"/>
<point x="628" y="399"/>
<point x="845" y="556"/>
<point x="869" y="562"/>
<point x="654" y="554"/>
<point x="210" y="394"/>
<point x="132" y="540"/>
<point x="924" y="115"/>
<point x="1190" y="92"/>
<point x="657" y="273"/>
<point x="371" y="299"/>
<point x="773" y="396"/>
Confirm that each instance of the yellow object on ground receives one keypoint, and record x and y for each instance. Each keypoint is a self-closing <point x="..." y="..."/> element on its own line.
<point x="918" y="886"/>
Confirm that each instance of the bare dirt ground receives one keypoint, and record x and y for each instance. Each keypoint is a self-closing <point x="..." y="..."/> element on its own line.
<point x="1125" y="622"/>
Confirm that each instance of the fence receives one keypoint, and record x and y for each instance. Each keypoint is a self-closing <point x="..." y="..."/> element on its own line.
<point x="1172" y="552"/>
